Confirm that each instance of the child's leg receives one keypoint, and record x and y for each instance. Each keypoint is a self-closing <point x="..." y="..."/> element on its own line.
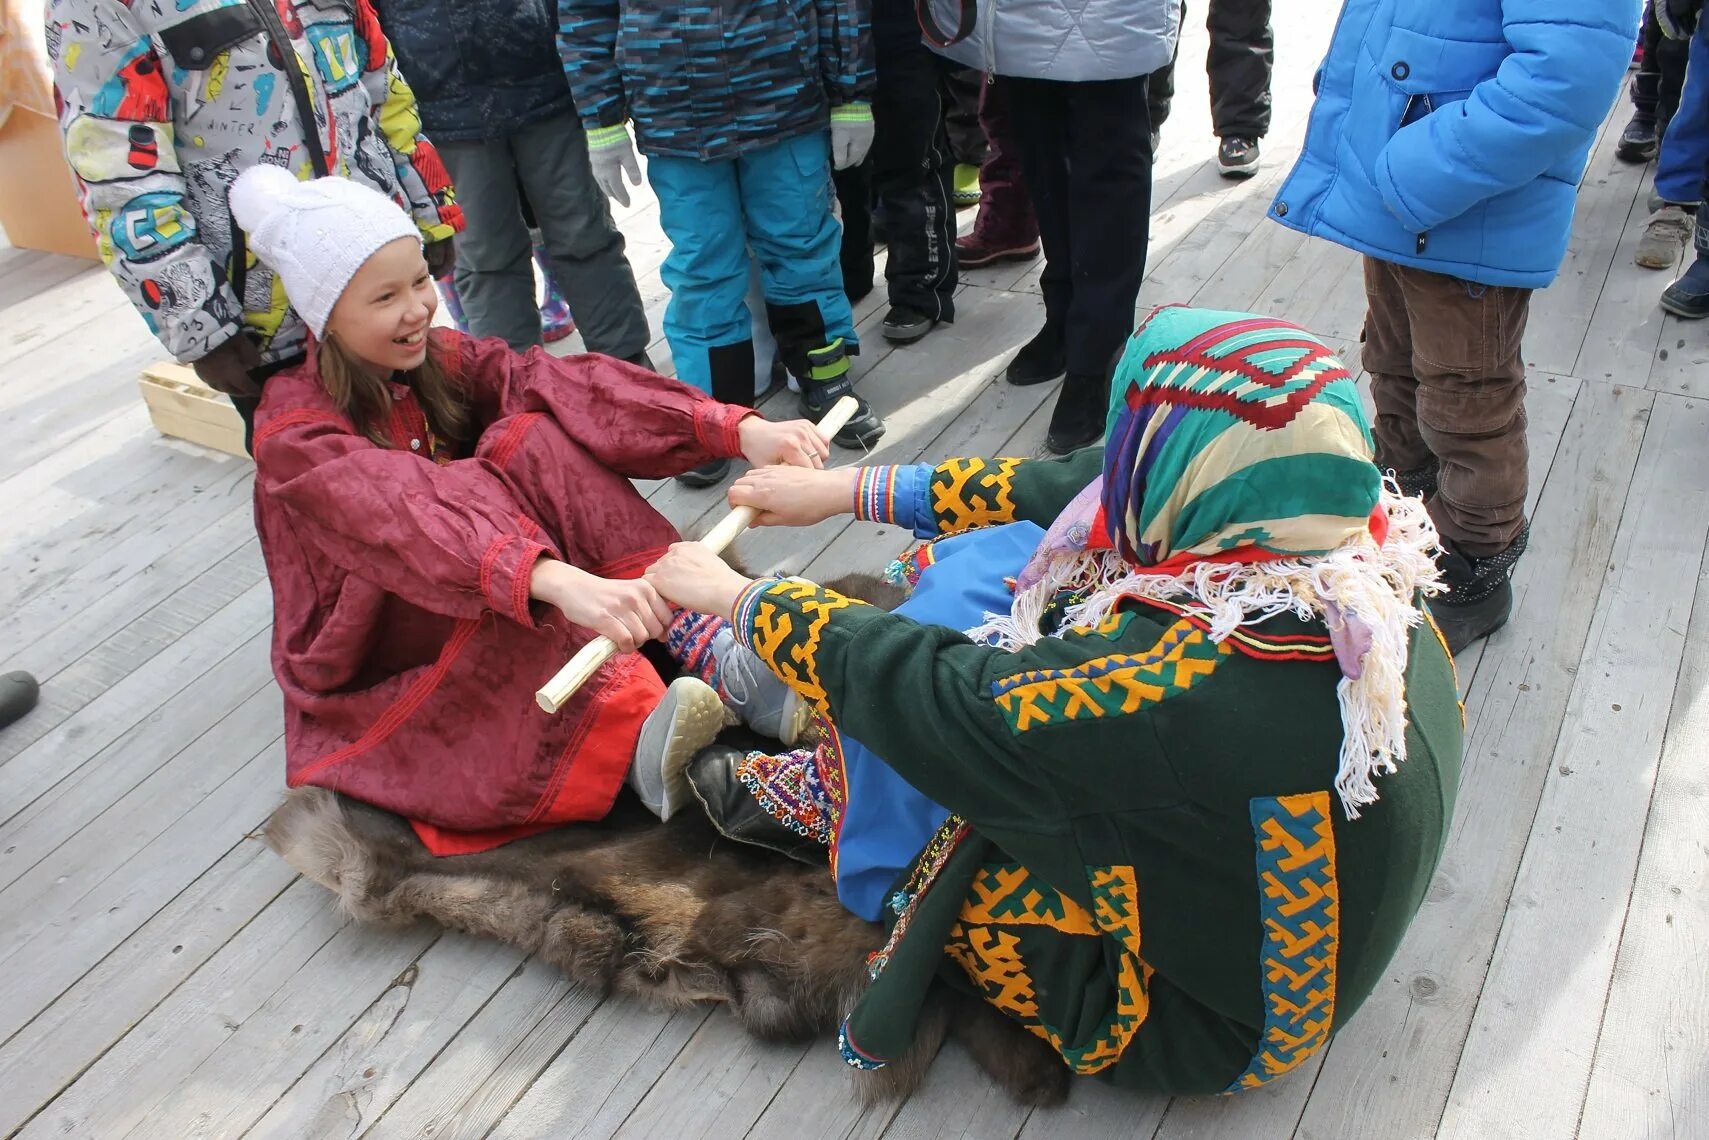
<point x="1685" y="147"/>
<point x="1387" y="356"/>
<point x="556" y="321"/>
<point x="1005" y="225"/>
<point x="494" y="277"/>
<point x="707" y="320"/>
<point x="766" y="364"/>
<point x="855" y="252"/>
<point x="786" y="207"/>
<point x="584" y="244"/>
<point x="1471" y="406"/>
<point x="705" y="646"/>
<point x="912" y="179"/>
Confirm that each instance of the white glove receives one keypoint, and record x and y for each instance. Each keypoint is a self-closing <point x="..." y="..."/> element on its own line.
<point x="613" y="155"/>
<point x="851" y="134"/>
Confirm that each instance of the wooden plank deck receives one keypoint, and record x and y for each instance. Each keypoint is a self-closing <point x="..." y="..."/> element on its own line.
<point x="163" y="975"/>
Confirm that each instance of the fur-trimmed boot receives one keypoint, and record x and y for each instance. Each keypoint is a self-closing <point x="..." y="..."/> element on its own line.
<point x="1480" y="593"/>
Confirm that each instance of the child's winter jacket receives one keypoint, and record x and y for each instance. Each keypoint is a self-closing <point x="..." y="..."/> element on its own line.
<point x="164" y="105"/>
<point x="711" y="80"/>
<point x="1451" y="136"/>
<point x="480" y="69"/>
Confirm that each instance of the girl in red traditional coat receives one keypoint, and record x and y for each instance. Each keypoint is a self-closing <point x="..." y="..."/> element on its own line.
<point x="446" y="521"/>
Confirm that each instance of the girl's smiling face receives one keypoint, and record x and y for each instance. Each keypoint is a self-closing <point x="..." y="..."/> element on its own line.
<point x="383" y="315"/>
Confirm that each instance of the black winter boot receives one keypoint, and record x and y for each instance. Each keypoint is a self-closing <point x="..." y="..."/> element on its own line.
<point x="1480" y="593"/>
<point x="826" y="381"/>
<point x="1081" y="409"/>
<point x="734" y="811"/>
<point x="1041" y="360"/>
<point x="18" y="693"/>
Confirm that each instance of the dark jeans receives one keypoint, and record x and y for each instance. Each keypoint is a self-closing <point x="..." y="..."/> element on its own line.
<point x="1242" y="52"/>
<point x="908" y="176"/>
<point x="1656" y="84"/>
<point x="961" y="87"/>
<point x="495" y="259"/>
<point x="1086" y="153"/>
<point x="1448" y="382"/>
<point x="246" y="405"/>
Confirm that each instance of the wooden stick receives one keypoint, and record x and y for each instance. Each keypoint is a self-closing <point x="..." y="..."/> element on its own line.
<point x="554" y="693"/>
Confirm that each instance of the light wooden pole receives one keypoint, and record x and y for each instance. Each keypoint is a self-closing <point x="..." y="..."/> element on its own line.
<point x="563" y="685"/>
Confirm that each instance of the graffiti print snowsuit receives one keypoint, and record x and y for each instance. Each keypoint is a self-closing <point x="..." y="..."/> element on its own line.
<point x="165" y="102"/>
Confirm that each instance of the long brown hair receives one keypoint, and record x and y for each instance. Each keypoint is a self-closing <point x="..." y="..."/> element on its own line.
<point x="361" y="393"/>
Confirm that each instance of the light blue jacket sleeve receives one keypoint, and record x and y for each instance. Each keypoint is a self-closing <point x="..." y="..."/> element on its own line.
<point x="1545" y="101"/>
<point x="898" y="495"/>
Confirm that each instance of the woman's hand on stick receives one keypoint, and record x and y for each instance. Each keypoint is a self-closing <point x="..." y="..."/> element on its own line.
<point x="691" y="576"/>
<point x="793" y="442"/>
<point x="628" y="611"/>
<point x="795" y="496"/>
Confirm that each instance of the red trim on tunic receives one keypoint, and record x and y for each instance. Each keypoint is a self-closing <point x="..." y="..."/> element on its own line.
<point x="489" y="560"/>
<point x="718" y="427"/>
<point x="593" y="764"/>
<point x="300" y="417"/>
<point x="505" y="451"/>
<point x="630" y="565"/>
<point x="400" y="710"/>
<point x="521" y="591"/>
<point x="442" y="841"/>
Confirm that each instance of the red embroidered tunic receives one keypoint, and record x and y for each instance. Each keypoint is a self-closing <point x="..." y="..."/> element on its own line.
<point x="404" y="638"/>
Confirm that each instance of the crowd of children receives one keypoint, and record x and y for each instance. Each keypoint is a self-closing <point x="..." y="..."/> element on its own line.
<point x="447" y="515"/>
<point x="1670" y="125"/>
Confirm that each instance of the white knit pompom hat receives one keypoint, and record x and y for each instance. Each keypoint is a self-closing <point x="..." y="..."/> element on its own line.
<point x="315" y="235"/>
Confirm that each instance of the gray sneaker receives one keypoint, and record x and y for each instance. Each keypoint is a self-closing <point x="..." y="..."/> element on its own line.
<point x="754" y="693"/>
<point x="1665" y="238"/>
<point x="689" y="717"/>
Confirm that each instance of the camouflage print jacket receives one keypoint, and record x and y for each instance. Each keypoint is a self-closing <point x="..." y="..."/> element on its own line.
<point x="712" y="80"/>
<point x="165" y="102"/>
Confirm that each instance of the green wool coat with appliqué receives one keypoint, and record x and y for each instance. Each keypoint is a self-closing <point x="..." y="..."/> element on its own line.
<point x="1148" y="866"/>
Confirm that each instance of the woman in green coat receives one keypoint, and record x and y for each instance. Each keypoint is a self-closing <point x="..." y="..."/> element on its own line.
<point x="1167" y="855"/>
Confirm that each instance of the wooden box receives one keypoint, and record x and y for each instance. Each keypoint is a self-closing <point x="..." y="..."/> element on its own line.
<point x="183" y="407"/>
<point x="38" y="199"/>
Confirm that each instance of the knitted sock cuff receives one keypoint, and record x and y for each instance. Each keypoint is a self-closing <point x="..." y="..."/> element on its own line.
<point x="689" y="641"/>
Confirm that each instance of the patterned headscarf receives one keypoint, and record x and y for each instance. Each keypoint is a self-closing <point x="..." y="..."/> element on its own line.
<point x="1238" y="484"/>
<point x="1233" y="432"/>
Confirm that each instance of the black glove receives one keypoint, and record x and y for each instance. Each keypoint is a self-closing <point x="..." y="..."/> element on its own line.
<point x="441" y="256"/>
<point x="1678" y="18"/>
<point x="226" y="368"/>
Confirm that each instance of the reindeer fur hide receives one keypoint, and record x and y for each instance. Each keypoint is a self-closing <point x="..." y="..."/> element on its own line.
<point x="670" y="913"/>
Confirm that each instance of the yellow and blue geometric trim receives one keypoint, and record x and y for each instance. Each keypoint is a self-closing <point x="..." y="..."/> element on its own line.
<point x="785" y="639"/>
<point x="1120" y="684"/>
<point x="989" y="942"/>
<point x="971" y="493"/>
<point x="1299" y="903"/>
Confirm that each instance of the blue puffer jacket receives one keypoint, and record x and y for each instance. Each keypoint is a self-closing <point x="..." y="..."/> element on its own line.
<point x="1451" y="135"/>
<point x="480" y="69"/>
<point x="710" y="79"/>
<point x="1072" y="41"/>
